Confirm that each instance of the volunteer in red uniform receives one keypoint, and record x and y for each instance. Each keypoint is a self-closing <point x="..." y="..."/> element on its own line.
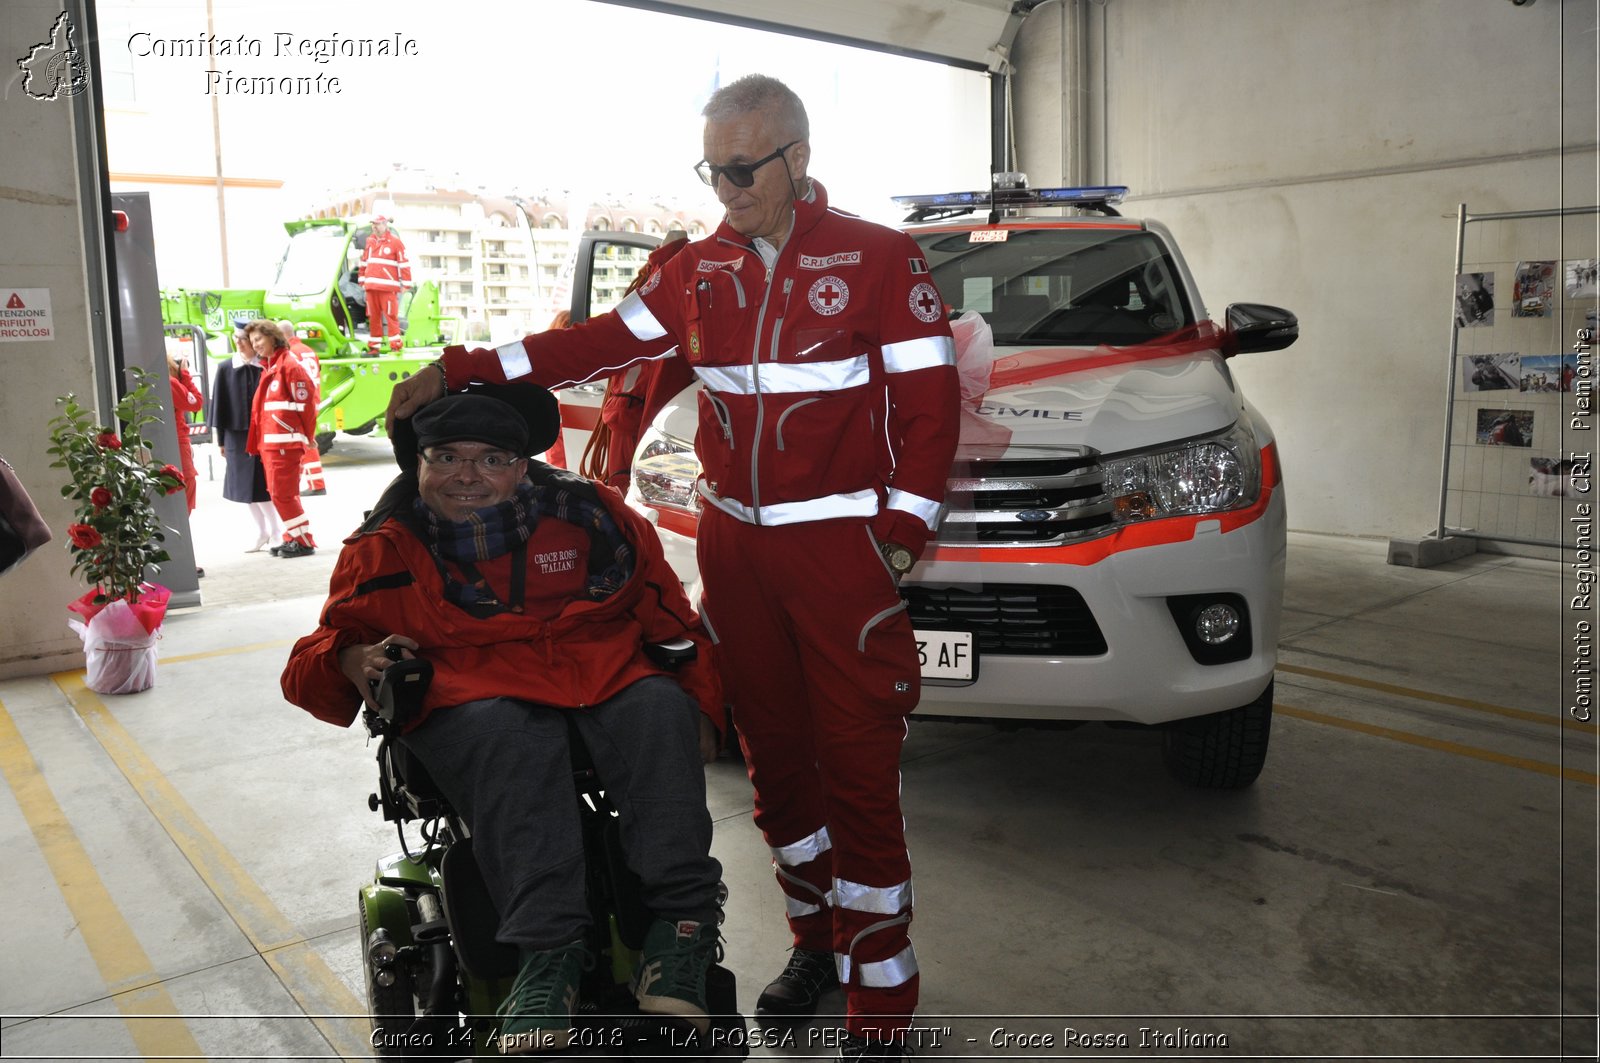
<point x="186" y="399"/>
<point x="828" y="423"/>
<point x="384" y="271"/>
<point x="283" y="428"/>
<point x="312" y="479"/>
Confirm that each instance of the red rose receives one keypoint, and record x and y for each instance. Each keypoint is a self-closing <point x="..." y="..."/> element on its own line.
<point x="108" y="440"/>
<point x="177" y="474"/>
<point x="100" y="497"/>
<point x="83" y="536"/>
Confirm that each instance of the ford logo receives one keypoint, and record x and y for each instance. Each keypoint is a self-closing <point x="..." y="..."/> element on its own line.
<point x="1034" y="516"/>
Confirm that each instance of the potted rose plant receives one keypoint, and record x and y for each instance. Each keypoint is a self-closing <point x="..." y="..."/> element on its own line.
<point x="114" y="536"/>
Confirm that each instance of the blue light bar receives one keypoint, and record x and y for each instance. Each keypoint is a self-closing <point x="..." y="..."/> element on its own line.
<point x="1019" y="197"/>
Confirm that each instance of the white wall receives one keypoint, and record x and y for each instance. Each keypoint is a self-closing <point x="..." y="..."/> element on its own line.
<point x="42" y="248"/>
<point x="1312" y="153"/>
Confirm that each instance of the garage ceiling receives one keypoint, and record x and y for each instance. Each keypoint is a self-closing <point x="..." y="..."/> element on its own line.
<point x="959" y="32"/>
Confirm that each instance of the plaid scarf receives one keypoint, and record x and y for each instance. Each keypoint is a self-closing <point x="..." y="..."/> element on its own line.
<point x="499" y="529"/>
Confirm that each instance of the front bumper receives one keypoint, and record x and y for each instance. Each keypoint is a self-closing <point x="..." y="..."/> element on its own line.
<point x="1147" y="674"/>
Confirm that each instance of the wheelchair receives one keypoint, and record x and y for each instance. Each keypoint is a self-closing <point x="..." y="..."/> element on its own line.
<point x="435" y="973"/>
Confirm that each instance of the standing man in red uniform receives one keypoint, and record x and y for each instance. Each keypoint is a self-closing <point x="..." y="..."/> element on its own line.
<point x="828" y="423"/>
<point x="283" y="429"/>
<point x="312" y="479"/>
<point x="384" y="271"/>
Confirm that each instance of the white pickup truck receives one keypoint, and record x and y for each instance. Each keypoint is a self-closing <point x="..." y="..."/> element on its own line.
<point x="1114" y="541"/>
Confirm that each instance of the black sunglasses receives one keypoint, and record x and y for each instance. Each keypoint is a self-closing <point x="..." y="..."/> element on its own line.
<point x="742" y="174"/>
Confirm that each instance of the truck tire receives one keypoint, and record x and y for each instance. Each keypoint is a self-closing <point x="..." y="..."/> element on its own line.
<point x="1222" y="751"/>
<point x="390" y="1008"/>
<point x="324" y="442"/>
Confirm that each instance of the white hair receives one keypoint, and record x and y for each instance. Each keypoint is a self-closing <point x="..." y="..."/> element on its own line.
<point x="759" y="92"/>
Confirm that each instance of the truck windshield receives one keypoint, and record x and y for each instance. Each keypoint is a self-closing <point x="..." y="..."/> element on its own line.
<point x="312" y="262"/>
<point x="1061" y="286"/>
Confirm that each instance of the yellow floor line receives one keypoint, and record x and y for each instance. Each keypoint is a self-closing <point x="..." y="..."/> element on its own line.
<point x="226" y="651"/>
<point x="315" y="987"/>
<point x="1437" y="744"/>
<point x="111" y="942"/>
<point x="1548" y="718"/>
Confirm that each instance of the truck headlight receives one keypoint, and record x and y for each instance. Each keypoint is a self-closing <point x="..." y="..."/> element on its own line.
<point x="665" y="471"/>
<point x="1210" y="475"/>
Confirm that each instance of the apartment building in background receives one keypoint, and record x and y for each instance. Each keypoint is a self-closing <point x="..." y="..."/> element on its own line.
<point x="503" y="258"/>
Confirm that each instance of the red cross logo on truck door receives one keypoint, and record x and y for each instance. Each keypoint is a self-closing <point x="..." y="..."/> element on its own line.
<point x="829" y="295"/>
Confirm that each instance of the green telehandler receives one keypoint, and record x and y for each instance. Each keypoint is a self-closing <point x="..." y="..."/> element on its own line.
<point x="316" y="288"/>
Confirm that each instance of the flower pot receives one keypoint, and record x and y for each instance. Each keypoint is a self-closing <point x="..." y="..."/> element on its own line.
<point x="119" y="639"/>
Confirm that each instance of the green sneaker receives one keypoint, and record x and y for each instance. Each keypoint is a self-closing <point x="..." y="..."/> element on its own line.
<point x="537" y="1015"/>
<point x="672" y="970"/>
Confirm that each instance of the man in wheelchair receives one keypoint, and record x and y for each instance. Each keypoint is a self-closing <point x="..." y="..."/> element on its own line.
<point x="535" y="596"/>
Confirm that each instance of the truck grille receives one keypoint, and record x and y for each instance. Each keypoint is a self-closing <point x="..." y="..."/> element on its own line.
<point x="1029" y="501"/>
<point x="1010" y="618"/>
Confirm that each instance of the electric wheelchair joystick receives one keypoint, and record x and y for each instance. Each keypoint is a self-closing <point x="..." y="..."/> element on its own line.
<point x="399" y="692"/>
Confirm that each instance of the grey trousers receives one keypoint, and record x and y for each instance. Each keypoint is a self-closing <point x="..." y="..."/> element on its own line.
<point x="504" y="766"/>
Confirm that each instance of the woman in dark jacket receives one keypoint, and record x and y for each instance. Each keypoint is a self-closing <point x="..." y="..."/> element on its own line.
<point x="245" y="480"/>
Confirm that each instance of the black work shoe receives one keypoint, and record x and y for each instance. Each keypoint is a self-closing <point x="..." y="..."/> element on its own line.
<point x="871" y="1051"/>
<point x="296" y="549"/>
<point x="795" y="992"/>
<point x="276" y="550"/>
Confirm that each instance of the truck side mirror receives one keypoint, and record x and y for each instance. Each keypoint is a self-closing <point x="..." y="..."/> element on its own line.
<point x="1258" y="327"/>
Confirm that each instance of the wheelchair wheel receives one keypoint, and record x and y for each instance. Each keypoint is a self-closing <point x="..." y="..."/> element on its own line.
<point x="391" y="1007"/>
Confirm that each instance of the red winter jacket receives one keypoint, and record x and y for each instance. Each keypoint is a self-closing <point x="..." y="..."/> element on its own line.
<point x="186" y="399"/>
<point x="386" y="583"/>
<point x="284" y="413"/>
<point x="383" y="262"/>
<point x="829" y="385"/>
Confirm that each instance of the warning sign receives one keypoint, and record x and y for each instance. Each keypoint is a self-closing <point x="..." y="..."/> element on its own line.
<point x="25" y="314"/>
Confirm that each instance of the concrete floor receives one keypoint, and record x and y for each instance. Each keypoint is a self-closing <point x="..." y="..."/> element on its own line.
<point x="1412" y="877"/>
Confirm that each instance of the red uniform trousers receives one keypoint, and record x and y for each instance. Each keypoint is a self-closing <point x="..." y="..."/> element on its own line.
<point x="282" y="467"/>
<point x="820" y="664"/>
<point x="384" y="304"/>
<point x="312" y="478"/>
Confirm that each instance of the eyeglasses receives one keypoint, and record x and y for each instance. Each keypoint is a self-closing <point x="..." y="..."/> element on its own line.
<point x="489" y="464"/>
<point x="742" y="174"/>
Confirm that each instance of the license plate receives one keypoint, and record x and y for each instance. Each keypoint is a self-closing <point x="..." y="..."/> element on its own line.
<point x="947" y="654"/>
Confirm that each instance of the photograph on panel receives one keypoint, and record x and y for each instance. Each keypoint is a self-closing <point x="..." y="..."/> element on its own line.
<point x="1533" y="291"/>
<point x="1581" y="281"/>
<point x="1551" y="477"/>
<point x="1549" y="373"/>
<point x="1505" y="428"/>
<point x="1491" y="372"/>
<point x="1475" y="300"/>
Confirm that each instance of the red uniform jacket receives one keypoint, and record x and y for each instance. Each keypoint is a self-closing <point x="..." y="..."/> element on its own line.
<point x="830" y="387"/>
<point x="186" y="399"/>
<point x="284" y="413"/>
<point x="386" y="582"/>
<point x="383" y="262"/>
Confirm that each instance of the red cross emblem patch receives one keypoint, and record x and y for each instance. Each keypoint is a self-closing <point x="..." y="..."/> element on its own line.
<point x="829" y="295"/>
<point x="925" y="302"/>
